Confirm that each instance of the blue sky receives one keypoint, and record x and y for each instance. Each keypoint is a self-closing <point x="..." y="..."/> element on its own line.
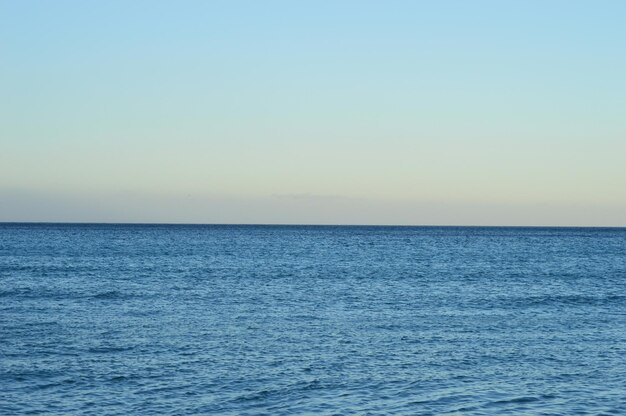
<point x="395" y="112"/>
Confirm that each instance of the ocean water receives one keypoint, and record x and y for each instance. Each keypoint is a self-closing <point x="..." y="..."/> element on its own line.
<point x="277" y="320"/>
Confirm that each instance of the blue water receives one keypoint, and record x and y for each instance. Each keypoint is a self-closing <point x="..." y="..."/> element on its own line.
<point x="173" y="320"/>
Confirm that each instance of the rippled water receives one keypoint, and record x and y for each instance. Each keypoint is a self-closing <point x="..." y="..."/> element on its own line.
<point x="146" y="319"/>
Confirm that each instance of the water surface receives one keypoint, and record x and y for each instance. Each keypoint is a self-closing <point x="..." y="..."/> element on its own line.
<point x="171" y="320"/>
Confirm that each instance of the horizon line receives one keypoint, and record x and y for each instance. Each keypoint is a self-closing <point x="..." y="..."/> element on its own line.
<point x="304" y="224"/>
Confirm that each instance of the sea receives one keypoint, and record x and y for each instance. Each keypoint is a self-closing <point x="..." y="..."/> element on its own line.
<point x="114" y="319"/>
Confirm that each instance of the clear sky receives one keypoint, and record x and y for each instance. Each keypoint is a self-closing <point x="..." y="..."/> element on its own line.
<point x="375" y="112"/>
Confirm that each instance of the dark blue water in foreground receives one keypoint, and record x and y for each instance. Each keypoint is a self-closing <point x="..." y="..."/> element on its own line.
<point x="148" y="319"/>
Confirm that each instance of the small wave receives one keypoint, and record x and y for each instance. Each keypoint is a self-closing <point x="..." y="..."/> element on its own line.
<point x="515" y="400"/>
<point x="520" y="400"/>
<point x="35" y="293"/>
<point x="19" y="291"/>
<point x="101" y="350"/>
<point x="111" y="294"/>
<point x="574" y="300"/>
<point x="302" y="386"/>
<point x="37" y="324"/>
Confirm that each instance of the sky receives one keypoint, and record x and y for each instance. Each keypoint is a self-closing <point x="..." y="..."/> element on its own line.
<point x="315" y="112"/>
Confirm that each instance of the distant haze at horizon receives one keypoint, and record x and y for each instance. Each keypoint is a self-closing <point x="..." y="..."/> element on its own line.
<point x="407" y="113"/>
<point x="293" y="209"/>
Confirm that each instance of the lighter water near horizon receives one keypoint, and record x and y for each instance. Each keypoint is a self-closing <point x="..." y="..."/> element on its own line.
<point x="245" y="320"/>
